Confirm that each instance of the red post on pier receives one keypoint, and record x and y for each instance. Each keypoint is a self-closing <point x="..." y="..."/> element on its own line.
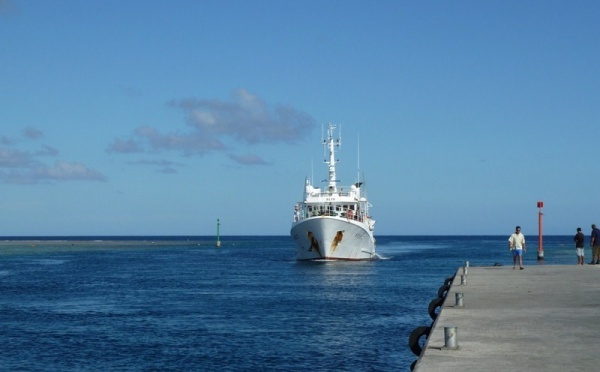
<point x="540" y="205"/>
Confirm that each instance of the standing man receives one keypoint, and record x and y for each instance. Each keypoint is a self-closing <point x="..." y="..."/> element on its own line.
<point x="578" y="239"/>
<point x="516" y="244"/>
<point x="595" y="244"/>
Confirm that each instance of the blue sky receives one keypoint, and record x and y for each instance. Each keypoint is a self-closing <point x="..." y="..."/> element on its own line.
<point x="158" y="117"/>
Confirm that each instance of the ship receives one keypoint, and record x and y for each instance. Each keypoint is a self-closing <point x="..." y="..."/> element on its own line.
<point x="333" y="223"/>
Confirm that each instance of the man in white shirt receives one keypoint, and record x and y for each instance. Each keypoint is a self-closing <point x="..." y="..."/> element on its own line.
<point x="516" y="243"/>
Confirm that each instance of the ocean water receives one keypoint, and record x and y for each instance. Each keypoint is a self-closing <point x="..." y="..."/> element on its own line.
<point x="181" y="304"/>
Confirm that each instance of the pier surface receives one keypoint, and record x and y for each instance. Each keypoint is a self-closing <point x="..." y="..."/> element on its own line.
<point x="542" y="318"/>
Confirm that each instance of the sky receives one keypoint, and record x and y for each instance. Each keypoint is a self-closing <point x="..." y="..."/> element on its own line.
<point x="160" y="117"/>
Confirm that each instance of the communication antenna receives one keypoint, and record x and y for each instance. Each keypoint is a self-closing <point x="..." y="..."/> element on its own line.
<point x="323" y="142"/>
<point x="358" y="157"/>
<point x="312" y="170"/>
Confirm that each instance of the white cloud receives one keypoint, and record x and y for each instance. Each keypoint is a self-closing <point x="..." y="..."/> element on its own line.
<point x="10" y="158"/>
<point x="63" y="170"/>
<point x="47" y="151"/>
<point x="124" y="146"/>
<point x="248" y="159"/>
<point x="5" y="141"/>
<point x="23" y="167"/>
<point x="32" y="133"/>
<point x="41" y="173"/>
<point x="165" y="166"/>
<point x="245" y="119"/>
<point x="188" y="143"/>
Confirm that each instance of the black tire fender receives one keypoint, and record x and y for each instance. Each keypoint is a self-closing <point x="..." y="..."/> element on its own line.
<point x="449" y="280"/>
<point x="443" y="291"/>
<point x="415" y="337"/>
<point x="413" y="364"/>
<point x="434" y="304"/>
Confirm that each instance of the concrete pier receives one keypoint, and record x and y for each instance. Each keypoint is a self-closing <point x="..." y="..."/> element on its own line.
<point x="542" y="318"/>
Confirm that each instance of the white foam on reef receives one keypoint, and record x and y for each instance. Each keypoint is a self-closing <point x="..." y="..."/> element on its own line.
<point x="48" y="261"/>
<point x="408" y="247"/>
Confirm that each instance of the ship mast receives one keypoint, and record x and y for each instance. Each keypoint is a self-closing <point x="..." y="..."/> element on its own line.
<point x="331" y="144"/>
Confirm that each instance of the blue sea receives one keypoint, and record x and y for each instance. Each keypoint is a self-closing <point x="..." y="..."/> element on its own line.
<point x="182" y="304"/>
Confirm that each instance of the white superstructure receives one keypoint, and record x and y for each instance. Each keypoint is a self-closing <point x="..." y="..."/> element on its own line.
<point x="333" y="223"/>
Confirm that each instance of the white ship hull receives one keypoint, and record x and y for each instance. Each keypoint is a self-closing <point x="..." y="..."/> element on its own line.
<point x="334" y="238"/>
<point x="333" y="223"/>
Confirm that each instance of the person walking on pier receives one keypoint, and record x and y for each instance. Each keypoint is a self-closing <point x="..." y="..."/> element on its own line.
<point x="579" y="239"/>
<point x="516" y="243"/>
<point x="595" y="244"/>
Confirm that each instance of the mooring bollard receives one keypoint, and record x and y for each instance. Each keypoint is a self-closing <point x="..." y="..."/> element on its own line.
<point x="465" y="270"/>
<point x="450" y="338"/>
<point x="467" y="264"/>
<point x="463" y="280"/>
<point x="459" y="299"/>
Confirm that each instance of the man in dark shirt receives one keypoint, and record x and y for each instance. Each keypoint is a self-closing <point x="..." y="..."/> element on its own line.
<point x="579" y="239"/>
<point x="595" y="244"/>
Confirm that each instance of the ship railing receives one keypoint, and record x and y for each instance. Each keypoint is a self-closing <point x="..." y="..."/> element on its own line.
<point x="327" y="194"/>
<point x="300" y="215"/>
